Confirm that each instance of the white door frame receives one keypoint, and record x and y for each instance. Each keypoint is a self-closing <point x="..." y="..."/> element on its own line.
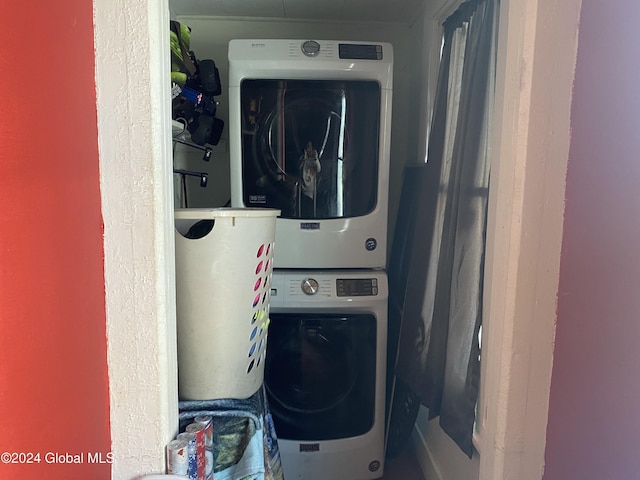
<point x="134" y="142"/>
<point x="536" y="60"/>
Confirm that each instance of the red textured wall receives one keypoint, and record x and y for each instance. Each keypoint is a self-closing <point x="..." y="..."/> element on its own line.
<point x="594" y="417"/>
<point x="53" y="368"/>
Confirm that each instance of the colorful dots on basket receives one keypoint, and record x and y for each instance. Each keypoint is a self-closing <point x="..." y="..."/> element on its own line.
<point x="260" y="316"/>
<point x="253" y="333"/>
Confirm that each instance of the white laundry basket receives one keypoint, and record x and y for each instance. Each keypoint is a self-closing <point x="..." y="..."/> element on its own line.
<point x="224" y="259"/>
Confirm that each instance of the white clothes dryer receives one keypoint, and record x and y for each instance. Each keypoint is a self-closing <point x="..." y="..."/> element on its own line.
<point x="310" y="127"/>
<point x="325" y="372"/>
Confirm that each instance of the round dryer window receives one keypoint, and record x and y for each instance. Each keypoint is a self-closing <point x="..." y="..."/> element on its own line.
<point x="310" y="147"/>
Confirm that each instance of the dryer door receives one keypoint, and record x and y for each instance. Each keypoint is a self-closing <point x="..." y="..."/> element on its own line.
<point x="320" y="375"/>
<point x="310" y="147"/>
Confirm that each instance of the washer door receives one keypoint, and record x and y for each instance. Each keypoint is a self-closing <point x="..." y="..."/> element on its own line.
<point x="320" y="375"/>
<point x="310" y="147"/>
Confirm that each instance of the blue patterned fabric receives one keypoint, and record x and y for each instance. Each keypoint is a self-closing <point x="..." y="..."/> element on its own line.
<point x="244" y="439"/>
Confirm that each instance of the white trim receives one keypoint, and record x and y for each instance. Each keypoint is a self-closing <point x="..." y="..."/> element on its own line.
<point x="425" y="457"/>
<point x="433" y="18"/>
<point x="446" y="9"/>
<point x="132" y="88"/>
<point x="475" y="440"/>
<point x="438" y="456"/>
<point x="188" y="18"/>
<point x="536" y="61"/>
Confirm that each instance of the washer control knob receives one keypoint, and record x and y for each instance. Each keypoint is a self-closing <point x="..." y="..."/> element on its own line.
<point x="310" y="48"/>
<point x="310" y="286"/>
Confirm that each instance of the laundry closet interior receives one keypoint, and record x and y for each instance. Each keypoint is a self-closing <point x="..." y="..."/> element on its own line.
<point x="323" y="104"/>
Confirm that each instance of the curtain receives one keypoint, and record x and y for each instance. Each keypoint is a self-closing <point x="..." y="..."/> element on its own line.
<point x="439" y="351"/>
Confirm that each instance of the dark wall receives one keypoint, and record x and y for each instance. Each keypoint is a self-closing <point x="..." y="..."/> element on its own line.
<point x="594" y="416"/>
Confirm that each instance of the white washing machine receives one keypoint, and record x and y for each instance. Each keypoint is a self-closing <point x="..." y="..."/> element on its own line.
<point x="325" y="372"/>
<point x="310" y="127"/>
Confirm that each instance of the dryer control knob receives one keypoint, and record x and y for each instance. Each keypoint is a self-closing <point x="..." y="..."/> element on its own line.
<point x="310" y="48"/>
<point x="310" y="286"/>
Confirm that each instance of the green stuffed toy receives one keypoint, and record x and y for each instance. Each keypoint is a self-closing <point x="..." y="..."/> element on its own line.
<point x="182" y="64"/>
<point x="193" y="85"/>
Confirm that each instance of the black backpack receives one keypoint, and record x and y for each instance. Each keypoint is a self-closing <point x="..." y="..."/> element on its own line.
<point x="194" y="84"/>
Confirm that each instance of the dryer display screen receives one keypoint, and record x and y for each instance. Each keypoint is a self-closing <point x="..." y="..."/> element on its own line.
<point x="360" y="52"/>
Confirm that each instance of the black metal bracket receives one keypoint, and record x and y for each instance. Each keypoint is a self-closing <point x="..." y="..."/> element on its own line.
<point x="207" y="151"/>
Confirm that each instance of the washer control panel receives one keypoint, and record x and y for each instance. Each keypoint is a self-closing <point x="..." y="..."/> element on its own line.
<point x="317" y="288"/>
<point x="310" y="286"/>
<point x="344" y="287"/>
<point x="303" y="288"/>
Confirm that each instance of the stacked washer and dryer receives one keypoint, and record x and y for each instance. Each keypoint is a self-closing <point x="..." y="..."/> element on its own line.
<point x="310" y="126"/>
